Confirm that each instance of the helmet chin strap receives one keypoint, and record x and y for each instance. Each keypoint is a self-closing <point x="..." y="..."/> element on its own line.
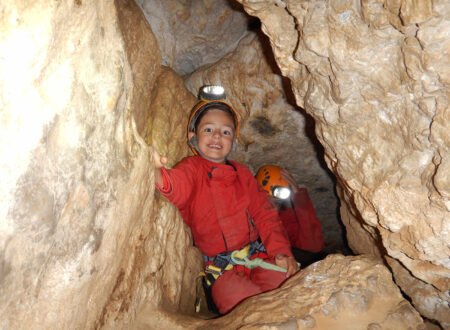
<point x="193" y="143"/>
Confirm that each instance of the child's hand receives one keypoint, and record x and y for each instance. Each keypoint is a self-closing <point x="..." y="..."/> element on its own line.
<point x="288" y="263"/>
<point x="290" y="179"/>
<point x="159" y="161"/>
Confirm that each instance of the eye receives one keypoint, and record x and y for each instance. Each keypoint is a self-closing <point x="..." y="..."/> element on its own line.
<point x="207" y="130"/>
<point x="226" y="132"/>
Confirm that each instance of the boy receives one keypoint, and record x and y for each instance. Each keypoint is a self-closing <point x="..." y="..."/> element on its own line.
<point x="225" y="207"/>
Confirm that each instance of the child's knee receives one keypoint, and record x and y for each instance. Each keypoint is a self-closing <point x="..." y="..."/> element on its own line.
<point x="231" y="288"/>
<point x="267" y="279"/>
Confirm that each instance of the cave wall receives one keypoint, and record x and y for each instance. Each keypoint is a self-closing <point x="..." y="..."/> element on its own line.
<point x="69" y="153"/>
<point x="353" y="292"/>
<point x="83" y="240"/>
<point x="375" y="77"/>
<point x="169" y="263"/>
<point x="194" y="33"/>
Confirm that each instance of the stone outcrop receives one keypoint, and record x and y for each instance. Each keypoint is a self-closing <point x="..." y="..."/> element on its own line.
<point x="335" y="293"/>
<point x="83" y="240"/>
<point x="144" y="57"/>
<point x="70" y="158"/>
<point x="194" y="33"/>
<point x="376" y="80"/>
<point x="273" y="130"/>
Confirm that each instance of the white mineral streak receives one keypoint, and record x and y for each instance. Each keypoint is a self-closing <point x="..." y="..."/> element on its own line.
<point x="376" y="80"/>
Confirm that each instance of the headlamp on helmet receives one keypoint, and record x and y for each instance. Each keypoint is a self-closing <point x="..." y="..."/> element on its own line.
<point x="281" y="192"/>
<point x="271" y="181"/>
<point x="212" y="93"/>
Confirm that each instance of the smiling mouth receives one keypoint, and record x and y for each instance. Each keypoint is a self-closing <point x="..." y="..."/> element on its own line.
<point x="215" y="146"/>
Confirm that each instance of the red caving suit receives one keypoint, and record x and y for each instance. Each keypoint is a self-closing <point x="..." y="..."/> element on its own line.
<point x="303" y="227"/>
<point x="226" y="209"/>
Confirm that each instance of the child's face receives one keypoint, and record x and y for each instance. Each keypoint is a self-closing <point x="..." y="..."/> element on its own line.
<point x="215" y="134"/>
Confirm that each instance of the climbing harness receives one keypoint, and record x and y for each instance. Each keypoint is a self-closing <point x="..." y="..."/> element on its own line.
<point x="223" y="261"/>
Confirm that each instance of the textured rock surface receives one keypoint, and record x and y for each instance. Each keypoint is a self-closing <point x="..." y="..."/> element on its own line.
<point x="82" y="239"/>
<point x="336" y="293"/>
<point x="169" y="264"/>
<point x="434" y="303"/>
<point x="66" y="159"/>
<point x="375" y="77"/>
<point x="194" y="33"/>
<point x="143" y="56"/>
<point x="273" y="130"/>
<point x="168" y="116"/>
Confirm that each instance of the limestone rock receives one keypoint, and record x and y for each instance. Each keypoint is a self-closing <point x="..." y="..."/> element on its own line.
<point x="194" y="33"/>
<point x="166" y="127"/>
<point x="68" y="154"/>
<point x="83" y="242"/>
<point x="143" y="56"/>
<point x="168" y="263"/>
<point x="376" y="83"/>
<point x="434" y="304"/>
<point x="273" y="130"/>
<point x="335" y="293"/>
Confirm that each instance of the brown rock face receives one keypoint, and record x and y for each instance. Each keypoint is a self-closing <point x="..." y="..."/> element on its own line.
<point x="194" y="33"/>
<point x="338" y="292"/>
<point x="83" y="241"/>
<point x="376" y="80"/>
<point x="69" y="153"/>
<point x="143" y="55"/>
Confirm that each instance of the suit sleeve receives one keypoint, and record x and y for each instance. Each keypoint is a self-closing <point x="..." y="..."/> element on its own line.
<point x="267" y="222"/>
<point x="309" y="235"/>
<point x="178" y="184"/>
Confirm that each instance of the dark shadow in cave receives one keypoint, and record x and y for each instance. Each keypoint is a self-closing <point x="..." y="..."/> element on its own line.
<point x="254" y="24"/>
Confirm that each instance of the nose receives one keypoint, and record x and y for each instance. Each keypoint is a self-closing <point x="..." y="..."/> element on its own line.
<point x="216" y="134"/>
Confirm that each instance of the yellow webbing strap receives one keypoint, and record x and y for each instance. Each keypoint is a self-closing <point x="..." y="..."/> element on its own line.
<point x="198" y="299"/>
<point x="242" y="253"/>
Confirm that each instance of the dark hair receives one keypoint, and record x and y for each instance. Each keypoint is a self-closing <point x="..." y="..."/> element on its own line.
<point x="209" y="107"/>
